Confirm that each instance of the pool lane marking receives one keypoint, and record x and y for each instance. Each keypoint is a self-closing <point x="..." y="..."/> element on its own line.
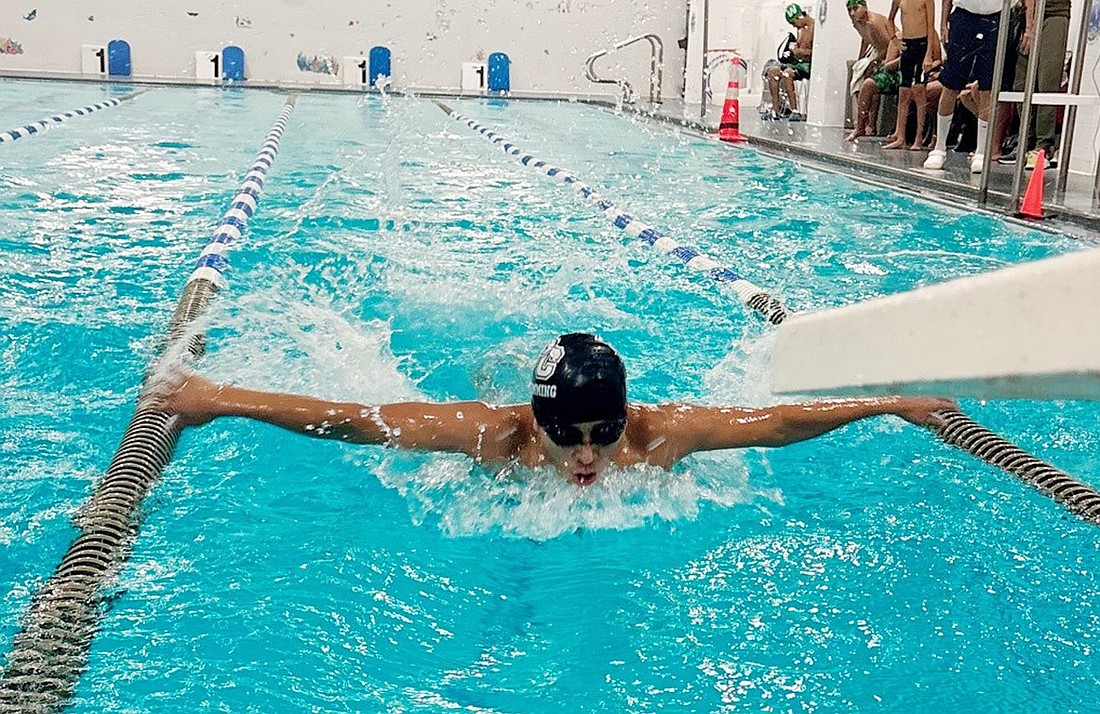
<point x="51" y="649"/>
<point x="43" y="124"/>
<point x="956" y="429"/>
<point x="750" y="294"/>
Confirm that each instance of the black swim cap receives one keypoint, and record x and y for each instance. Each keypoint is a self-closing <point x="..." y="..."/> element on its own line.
<point x="578" y="378"/>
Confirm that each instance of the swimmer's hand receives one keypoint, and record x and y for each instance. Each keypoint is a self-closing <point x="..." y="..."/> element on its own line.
<point x="922" y="410"/>
<point x="194" y="400"/>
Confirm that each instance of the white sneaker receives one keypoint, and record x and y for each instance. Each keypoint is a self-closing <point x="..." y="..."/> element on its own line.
<point x="1051" y="161"/>
<point x="936" y="159"/>
<point x="977" y="163"/>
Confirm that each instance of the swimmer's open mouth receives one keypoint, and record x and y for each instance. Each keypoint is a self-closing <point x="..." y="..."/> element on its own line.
<point x="585" y="478"/>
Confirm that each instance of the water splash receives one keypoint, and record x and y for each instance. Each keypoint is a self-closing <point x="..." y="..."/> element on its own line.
<point x="277" y="342"/>
<point x="539" y="504"/>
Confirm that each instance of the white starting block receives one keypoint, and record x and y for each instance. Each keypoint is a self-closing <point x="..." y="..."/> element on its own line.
<point x="1030" y="331"/>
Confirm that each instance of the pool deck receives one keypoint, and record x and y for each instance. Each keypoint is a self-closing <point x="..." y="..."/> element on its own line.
<point x="1073" y="212"/>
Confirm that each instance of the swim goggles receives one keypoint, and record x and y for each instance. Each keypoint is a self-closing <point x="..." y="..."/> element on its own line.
<point x="603" y="433"/>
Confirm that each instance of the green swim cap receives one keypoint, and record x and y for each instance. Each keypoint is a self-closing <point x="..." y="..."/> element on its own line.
<point x="852" y="3"/>
<point x="793" y="12"/>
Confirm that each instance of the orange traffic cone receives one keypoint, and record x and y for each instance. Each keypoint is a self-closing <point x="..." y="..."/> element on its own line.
<point x="729" y="128"/>
<point x="1032" y="205"/>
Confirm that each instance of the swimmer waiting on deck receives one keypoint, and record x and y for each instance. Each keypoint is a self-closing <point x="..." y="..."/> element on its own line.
<point x="579" y="419"/>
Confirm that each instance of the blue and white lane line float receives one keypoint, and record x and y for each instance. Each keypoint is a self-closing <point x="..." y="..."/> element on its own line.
<point x="42" y="125"/>
<point x="752" y="295"/>
<point x="51" y="649"/>
<point x="212" y="262"/>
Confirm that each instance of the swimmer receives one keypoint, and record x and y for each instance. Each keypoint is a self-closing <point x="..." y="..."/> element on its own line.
<point x="579" y="419"/>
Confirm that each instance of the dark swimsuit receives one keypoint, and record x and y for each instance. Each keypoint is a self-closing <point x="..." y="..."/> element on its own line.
<point x="801" y="69"/>
<point x="912" y="60"/>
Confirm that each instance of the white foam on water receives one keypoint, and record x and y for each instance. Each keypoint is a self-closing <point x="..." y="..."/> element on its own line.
<point x="541" y="504"/>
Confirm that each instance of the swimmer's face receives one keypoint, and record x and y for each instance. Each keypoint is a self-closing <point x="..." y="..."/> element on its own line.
<point x="858" y="13"/>
<point x="583" y="451"/>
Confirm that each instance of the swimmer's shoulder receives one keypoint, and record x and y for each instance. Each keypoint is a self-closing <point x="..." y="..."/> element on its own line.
<point x="653" y="432"/>
<point x="666" y="433"/>
<point x="659" y="415"/>
<point x="508" y="428"/>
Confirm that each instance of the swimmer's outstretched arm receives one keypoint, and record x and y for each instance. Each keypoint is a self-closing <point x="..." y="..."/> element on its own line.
<point x="707" y="428"/>
<point x="472" y="428"/>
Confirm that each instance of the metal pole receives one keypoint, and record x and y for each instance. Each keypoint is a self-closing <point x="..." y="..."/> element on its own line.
<point x="1025" y="108"/>
<point x="652" y="68"/>
<point x="657" y="79"/>
<point x="994" y="94"/>
<point x="1096" y="186"/>
<point x="706" y="46"/>
<point x="1071" y="111"/>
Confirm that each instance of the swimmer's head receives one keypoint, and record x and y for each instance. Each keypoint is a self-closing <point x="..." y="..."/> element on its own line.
<point x="579" y="379"/>
<point x="793" y="12"/>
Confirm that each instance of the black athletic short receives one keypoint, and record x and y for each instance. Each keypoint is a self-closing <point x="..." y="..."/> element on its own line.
<point x="912" y="60"/>
<point x="972" y="43"/>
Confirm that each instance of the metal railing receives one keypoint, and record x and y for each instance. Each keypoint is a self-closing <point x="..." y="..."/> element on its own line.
<point x="656" y="68"/>
<point x="1028" y="97"/>
<point x="717" y="58"/>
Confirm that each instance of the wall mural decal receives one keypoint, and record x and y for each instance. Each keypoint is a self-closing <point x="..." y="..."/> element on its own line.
<point x="9" y="46"/>
<point x="244" y="22"/>
<point x="31" y="15"/>
<point x="319" y="64"/>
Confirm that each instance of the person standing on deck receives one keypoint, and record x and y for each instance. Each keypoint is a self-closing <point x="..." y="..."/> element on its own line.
<point x="919" y="52"/>
<point x="968" y="29"/>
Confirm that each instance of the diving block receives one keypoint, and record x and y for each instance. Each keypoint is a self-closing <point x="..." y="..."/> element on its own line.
<point x="1031" y="331"/>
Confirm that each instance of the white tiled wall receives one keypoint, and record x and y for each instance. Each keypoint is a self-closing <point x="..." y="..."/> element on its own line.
<point x="547" y="40"/>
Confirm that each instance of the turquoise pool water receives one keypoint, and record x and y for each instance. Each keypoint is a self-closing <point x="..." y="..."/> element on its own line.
<point x="398" y="255"/>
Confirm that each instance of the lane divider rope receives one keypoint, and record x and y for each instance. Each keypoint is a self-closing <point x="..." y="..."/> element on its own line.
<point x="51" y="649"/>
<point x="1078" y="497"/>
<point x="956" y="428"/>
<point x="43" y="124"/>
<point x="753" y="296"/>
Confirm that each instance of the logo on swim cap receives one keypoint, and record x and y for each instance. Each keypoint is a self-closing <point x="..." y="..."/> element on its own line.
<point x="548" y="361"/>
<point x="793" y="12"/>
<point x="578" y="378"/>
